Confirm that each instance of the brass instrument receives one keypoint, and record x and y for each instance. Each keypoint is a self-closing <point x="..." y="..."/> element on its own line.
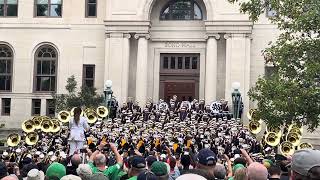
<point x="286" y="148"/>
<point x="37" y="122"/>
<point x="275" y="129"/>
<point x="255" y="127"/>
<point x="28" y="126"/>
<point x="299" y="131"/>
<point x="252" y="115"/>
<point x="272" y="139"/>
<point x="64" y="116"/>
<point x="102" y="111"/>
<point x="56" y="126"/>
<point x="13" y="139"/>
<point x="32" y="138"/>
<point x="46" y="126"/>
<point x="294" y="127"/>
<point x="294" y="138"/>
<point x="305" y="145"/>
<point x="91" y="115"/>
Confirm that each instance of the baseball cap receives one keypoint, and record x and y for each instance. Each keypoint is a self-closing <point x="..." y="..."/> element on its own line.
<point x="236" y="167"/>
<point x="159" y="168"/>
<point x="206" y="157"/>
<point x="56" y="170"/>
<point x="305" y="159"/>
<point x="35" y="174"/>
<point x="137" y="162"/>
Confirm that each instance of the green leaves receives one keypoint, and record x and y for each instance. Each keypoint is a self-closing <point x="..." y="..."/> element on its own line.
<point x="86" y="97"/>
<point x="292" y="93"/>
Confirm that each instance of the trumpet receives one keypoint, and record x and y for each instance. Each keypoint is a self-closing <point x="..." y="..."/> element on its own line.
<point x="102" y="111"/>
<point x="305" y="145"/>
<point x="286" y="148"/>
<point x="28" y="126"/>
<point x="13" y="139"/>
<point x="64" y="116"/>
<point x="32" y="138"/>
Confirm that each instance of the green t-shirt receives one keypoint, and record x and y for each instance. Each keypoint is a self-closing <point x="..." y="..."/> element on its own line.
<point x="133" y="178"/>
<point x="111" y="172"/>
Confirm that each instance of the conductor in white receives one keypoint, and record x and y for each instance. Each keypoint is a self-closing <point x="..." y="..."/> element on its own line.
<point x="77" y="125"/>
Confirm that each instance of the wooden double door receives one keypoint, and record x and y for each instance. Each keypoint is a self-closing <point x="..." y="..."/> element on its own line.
<point x="185" y="91"/>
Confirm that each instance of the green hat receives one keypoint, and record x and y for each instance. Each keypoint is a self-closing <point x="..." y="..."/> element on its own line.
<point x="236" y="167"/>
<point x="159" y="168"/>
<point x="56" y="170"/>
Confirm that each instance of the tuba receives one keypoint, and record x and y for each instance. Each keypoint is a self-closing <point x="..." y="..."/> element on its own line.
<point x="305" y="145"/>
<point x="13" y="140"/>
<point x="37" y="121"/>
<point x="28" y="126"/>
<point x="255" y="127"/>
<point x="32" y="138"/>
<point x="275" y="129"/>
<point x="286" y="148"/>
<point x="46" y="126"/>
<point x="91" y="115"/>
<point x="252" y="115"/>
<point x="64" y="116"/>
<point x="294" y="138"/>
<point x="56" y="126"/>
<point x="102" y="111"/>
<point x="272" y="139"/>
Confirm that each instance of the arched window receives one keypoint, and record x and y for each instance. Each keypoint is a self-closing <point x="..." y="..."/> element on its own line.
<point x="46" y="58"/>
<point x="6" y="59"/>
<point x="181" y="10"/>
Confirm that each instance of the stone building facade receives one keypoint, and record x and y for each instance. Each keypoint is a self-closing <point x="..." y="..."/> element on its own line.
<point x="148" y="48"/>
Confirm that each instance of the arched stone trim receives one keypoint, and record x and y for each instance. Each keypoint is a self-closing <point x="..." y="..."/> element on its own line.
<point x="148" y="5"/>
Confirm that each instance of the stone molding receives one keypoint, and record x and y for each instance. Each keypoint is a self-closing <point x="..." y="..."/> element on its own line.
<point x="146" y="36"/>
<point x="237" y="35"/>
<point x="212" y="35"/>
<point x="118" y="35"/>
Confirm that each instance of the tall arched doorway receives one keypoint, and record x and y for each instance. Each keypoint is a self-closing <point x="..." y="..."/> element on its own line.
<point x="178" y="47"/>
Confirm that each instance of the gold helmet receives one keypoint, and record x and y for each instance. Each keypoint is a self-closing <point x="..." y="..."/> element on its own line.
<point x="13" y="139"/>
<point x="28" y="126"/>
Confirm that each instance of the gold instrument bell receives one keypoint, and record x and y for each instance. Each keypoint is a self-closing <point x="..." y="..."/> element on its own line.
<point x="64" y="116"/>
<point x="37" y="121"/>
<point x="275" y="129"/>
<point x="305" y="145"/>
<point x="294" y="138"/>
<point x="46" y="125"/>
<point x="255" y="127"/>
<point x="32" y="138"/>
<point x="56" y="126"/>
<point x="91" y="115"/>
<point x="286" y="148"/>
<point x="102" y="111"/>
<point x="272" y="139"/>
<point x="28" y="126"/>
<point x="252" y="115"/>
<point x="13" y="139"/>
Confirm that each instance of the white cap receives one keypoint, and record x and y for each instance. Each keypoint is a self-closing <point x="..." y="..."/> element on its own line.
<point x="41" y="156"/>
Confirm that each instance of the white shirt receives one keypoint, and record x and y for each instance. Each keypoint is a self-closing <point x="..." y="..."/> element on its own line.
<point x="77" y="131"/>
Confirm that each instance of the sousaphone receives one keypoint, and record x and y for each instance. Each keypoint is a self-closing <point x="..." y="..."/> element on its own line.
<point x="46" y="126"/>
<point x="56" y="126"/>
<point x="28" y="126"/>
<point x="91" y="115"/>
<point x="272" y="139"/>
<point x="64" y="116"/>
<point x="305" y="145"/>
<point x="255" y="127"/>
<point x="32" y="138"/>
<point x="102" y="111"/>
<point x="37" y="122"/>
<point x="13" y="139"/>
<point x="286" y="148"/>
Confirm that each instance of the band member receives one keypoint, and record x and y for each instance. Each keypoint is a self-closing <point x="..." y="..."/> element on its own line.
<point x="77" y="125"/>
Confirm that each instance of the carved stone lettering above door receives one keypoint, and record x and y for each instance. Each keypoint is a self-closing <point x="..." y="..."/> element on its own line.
<point x="179" y="45"/>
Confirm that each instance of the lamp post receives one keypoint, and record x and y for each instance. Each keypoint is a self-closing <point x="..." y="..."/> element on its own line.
<point x="236" y="100"/>
<point x="108" y="93"/>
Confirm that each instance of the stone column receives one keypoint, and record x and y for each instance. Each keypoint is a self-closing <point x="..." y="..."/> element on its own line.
<point x="142" y="68"/>
<point x="211" y="68"/>
<point x="117" y="53"/>
<point x="238" y="66"/>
